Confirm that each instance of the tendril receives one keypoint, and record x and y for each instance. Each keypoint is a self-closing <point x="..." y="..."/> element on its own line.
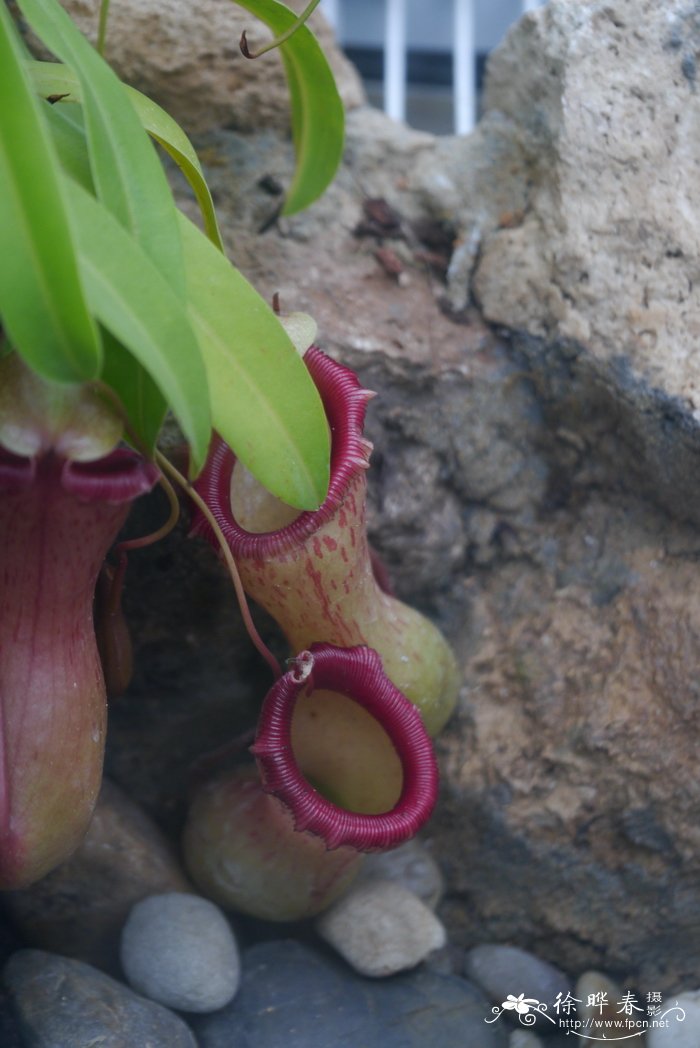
<point x="247" y="53"/>
<point x="201" y="505"/>
<point x="163" y="530"/>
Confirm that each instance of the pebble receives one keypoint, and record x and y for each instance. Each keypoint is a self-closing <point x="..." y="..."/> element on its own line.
<point x="678" y="1034"/>
<point x="298" y="997"/>
<point x="79" y="909"/>
<point x="524" y="1039"/>
<point x="596" y="984"/>
<point x="411" y="865"/>
<point x="503" y="970"/>
<point x="179" y="949"/>
<point x="381" y="928"/>
<point x="63" y="1003"/>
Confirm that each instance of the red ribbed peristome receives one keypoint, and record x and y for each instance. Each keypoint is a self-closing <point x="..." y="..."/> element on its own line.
<point x="344" y="400"/>
<point x="358" y="674"/>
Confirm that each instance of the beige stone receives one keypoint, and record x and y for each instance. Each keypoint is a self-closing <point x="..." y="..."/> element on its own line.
<point x="381" y="928"/>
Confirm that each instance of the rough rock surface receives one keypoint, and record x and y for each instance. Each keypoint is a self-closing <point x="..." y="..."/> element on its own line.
<point x="186" y="57"/>
<point x="380" y="928"/>
<point x="534" y="487"/>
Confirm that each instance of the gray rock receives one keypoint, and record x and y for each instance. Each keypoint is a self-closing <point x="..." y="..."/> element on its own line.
<point x="79" y="909"/>
<point x="503" y="970"/>
<point x="683" y="1018"/>
<point x="381" y="928"/>
<point x="612" y="197"/>
<point x="63" y="1003"/>
<point x="293" y="996"/>
<point x="410" y="865"/>
<point x="524" y="1039"/>
<point x="179" y="950"/>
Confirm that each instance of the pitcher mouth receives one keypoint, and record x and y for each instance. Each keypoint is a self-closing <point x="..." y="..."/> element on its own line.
<point x="358" y="674"/>
<point x="116" y="478"/>
<point x="345" y="402"/>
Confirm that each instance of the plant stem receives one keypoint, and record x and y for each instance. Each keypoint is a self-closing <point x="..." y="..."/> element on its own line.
<point x="102" y="27"/>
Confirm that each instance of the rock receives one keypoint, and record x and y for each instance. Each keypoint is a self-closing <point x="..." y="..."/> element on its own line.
<point x="680" y="1027"/>
<point x="410" y="865"/>
<point x="524" y="1039"/>
<point x="187" y="59"/>
<point x="503" y="970"/>
<point x="600" y="1003"/>
<point x="613" y="197"/>
<point x="79" y="908"/>
<point x="294" y="996"/>
<point x="179" y="950"/>
<point x="61" y="1002"/>
<point x="9" y="943"/>
<point x="381" y="928"/>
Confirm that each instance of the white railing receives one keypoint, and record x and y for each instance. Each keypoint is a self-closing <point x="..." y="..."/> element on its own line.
<point x="464" y="54"/>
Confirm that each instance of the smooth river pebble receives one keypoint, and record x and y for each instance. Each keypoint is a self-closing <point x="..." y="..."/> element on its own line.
<point x="503" y="970"/>
<point x="411" y="865"/>
<point x="682" y="1031"/>
<point x="296" y="997"/>
<point x="179" y="949"/>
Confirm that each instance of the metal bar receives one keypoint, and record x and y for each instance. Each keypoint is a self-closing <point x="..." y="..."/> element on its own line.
<point x="464" y="66"/>
<point x="395" y="59"/>
<point x="331" y="9"/>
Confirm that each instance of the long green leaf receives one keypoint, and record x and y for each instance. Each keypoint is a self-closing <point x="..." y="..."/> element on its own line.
<point x="264" y="403"/>
<point x="132" y="299"/>
<point x="52" y="78"/>
<point x="128" y="176"/>
<point x="71" y="144"/>
<point x="141" y="398"/>
<point x="318" y="120"/>
<point x="42" y="303"/>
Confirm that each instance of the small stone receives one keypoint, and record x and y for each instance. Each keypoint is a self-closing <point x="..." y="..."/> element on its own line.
<point x="63" y="1003"/>
<point x="178" y="949"/>
<point x="411" y="865"/>
<point x="79" y="909"/>
<point x="380" y="928"/>
<point x="524" y="1039"/>
<point x="503" y="970"/>
<point x="294" y="996"/>
<point x="683" y="1029"/>
<point x="600" y="1003"/>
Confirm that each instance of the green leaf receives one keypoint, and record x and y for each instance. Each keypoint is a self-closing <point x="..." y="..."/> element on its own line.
<point x="52" y="78"/>
<point x="264" y="403"/>
<point x="128" y="176"/>
<point x="132" y="299"/>
<point x="42" y="303"/>
<point x="141" y="398"/>
<point x="71" y="144"/>
<point x="318" y="120"/>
